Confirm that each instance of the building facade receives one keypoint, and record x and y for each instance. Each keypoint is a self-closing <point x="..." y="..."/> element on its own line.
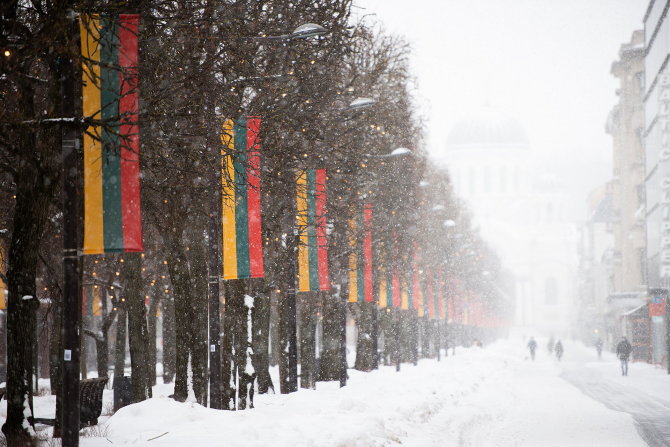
<point x="520" y="210"/>
<point x="657" y="158"/>
<point x="626" y="126"/>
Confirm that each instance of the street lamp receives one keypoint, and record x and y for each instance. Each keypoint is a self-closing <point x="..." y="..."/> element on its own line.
<point x="360" y="103"/>
<point x="304" y="31"/>
<point x="395" y="153"/>
<point x="290" y="384"/>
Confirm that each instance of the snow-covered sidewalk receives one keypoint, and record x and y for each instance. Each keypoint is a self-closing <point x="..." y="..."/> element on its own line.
<point x="644" y="393"/>
<point x="481" y="397"/>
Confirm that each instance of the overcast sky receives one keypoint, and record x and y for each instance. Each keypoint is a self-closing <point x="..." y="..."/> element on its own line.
<point x="546" y="62"/>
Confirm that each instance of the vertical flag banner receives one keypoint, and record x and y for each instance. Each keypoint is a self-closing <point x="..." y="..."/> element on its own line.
<point x="311" y="221"/>
<point x="441" y="295"/>
<point x="417" y="293"/>
<point x="241" y="199"/>
<point x="395" y="288"/>
<point x="430" y="296"/>
<point x="451" y="294"/>
<point x="384" y="284"/>
<point x="110" y="95"/>
<point x="360" y="259"/>
<point x="367" y="252"/>
<point x="386" y="289"/>
<point x="353" y="262"/>
<point x="91" y="301"/>
<point x="405" y="297"/>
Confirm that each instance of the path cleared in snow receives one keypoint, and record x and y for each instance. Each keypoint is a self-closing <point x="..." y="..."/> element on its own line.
<point x="644" y="393"/>
<point x="481" y="397"/>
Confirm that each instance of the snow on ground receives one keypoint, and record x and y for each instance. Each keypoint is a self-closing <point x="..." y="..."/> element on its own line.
<point x="493" y="396"/>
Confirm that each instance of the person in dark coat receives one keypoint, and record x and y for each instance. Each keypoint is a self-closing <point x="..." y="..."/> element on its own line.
<point x="558" y="347"/>
<point x="623" y="350"/>
<point x="599" y="347"/>
<point x="532" y="345"/>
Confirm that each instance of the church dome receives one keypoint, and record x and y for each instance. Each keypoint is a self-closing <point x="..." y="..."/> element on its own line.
<point x="487" y="128"/>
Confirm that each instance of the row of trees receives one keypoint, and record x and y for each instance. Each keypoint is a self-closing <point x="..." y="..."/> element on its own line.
<point x="202" y="61"/>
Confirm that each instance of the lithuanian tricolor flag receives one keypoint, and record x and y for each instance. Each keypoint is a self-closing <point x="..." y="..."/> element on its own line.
<point x="441" y="295"/>
<point x="405" y="292"/>
<point x="311" y="221"/>
<point x="360" y="258"/>
<point x="395" y="287"/>
<point x="385" y="289"/>
<point x="430" y="296"/>
<point x="91" y="301"/>
<point x="241" y="199"/>
<point x="417" y="292"/>
<point x="110" y="98"/>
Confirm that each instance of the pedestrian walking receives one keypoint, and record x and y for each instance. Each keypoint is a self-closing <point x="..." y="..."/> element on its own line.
<point x="550" y="345"/>
<point x="623" y="350"/>
<point x="532" y="346"/>
<point x="559" y="350"/>
<point x="599" y="347"/>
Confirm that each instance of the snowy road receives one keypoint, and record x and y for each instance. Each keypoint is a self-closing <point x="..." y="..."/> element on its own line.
<point x="481" y="397"/>
<point x="644" y="393"/>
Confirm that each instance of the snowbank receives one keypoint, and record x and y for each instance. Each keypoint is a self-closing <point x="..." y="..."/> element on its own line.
<point x="480" y="397"/>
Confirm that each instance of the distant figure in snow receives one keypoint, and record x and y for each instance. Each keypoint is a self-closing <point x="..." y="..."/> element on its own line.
<point x="623" y="350"/>
<point x="599" y="347"/>
<point x="550" y="345"/>
<point x="559" y="350"/>
<point x="532" y="345"/>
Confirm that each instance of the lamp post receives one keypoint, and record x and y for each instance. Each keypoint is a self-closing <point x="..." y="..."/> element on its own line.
<point x="304" y="31"/>
<point x="394" y="154"/>
<point x="288" y="317"/>
<point x="358" y="104"/>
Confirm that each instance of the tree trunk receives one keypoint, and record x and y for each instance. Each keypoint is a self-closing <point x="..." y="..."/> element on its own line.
<point x="330" y="366"/>
<point x="261" y="340"/>
<point x="120" y="345"/>
<point x="364" y="342"/>
<point x="274" y="329"/>
<point x="138" y="333"/>
<point x="32" y="205"/>
<point x="181" y="283"/>
<point x="307" y="342"/>
<point x="426" y="337"/>
<point x="228" y="381"/>
<point x="244" y="354"/>
<point x="83" y="367"/>
<point x="406" y="336"/>
<point x="198" y="312"/>
<point x="56" y="360"/>
<point x="238" y="371"/>
<point x="169" y="341"/>
<point x="152" y="321"/>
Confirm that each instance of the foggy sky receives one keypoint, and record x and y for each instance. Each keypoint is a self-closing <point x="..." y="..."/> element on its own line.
<point x="546" y="62"/>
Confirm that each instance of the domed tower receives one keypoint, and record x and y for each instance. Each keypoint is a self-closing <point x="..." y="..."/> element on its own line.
<point x="519" y="209"/>
<point x="488" y="157"/>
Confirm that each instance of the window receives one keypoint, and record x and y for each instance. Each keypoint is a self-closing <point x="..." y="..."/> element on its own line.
<point x="551" y="291"/>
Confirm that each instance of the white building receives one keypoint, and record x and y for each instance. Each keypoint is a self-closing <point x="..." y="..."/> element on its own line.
<point x="520" y="210"/>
